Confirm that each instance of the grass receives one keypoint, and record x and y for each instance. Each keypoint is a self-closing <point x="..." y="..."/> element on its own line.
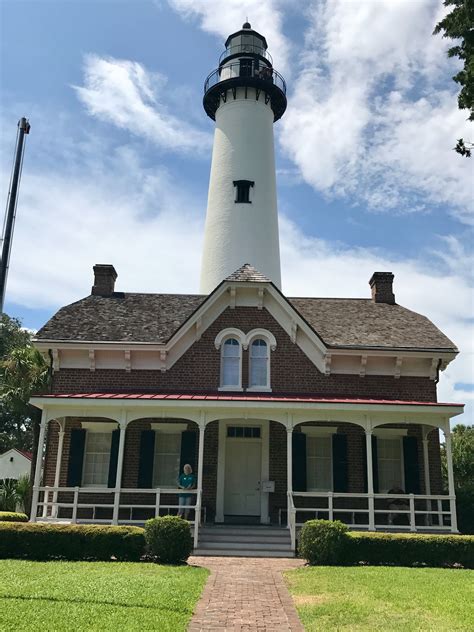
<point x="383" y="598"/>
<point x="54" y="596"/>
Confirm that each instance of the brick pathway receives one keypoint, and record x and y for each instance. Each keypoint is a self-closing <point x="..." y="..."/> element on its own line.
<point x="245" y="595"/>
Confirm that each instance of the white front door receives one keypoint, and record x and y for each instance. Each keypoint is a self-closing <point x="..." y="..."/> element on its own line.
<point x="243" y="466"/>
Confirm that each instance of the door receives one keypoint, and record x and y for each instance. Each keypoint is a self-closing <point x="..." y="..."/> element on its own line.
<point x="243" y="462"/>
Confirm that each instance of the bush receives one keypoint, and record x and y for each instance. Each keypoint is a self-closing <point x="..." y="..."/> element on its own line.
<point x="408" y="549"/>
<point x="465" y="509"/>
<point x="36" y="541"/>
<point x="324" y="542"/>
<point x="169" y="539"/>
<point x="13" y="516"/>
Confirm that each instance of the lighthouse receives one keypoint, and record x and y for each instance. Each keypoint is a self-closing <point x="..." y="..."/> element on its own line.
<point x="245" y="95"/>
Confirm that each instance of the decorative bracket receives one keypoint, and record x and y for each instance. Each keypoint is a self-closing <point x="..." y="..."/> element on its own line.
<point x="55" y="354"/>
<point x="434" y="369"/>
<point x="260" y="293"/>
<point x="233" y="293"/>
<point x="293" y="331"/>
<point x="128" y="360"/>
<point x="198" y="328"/>
<point x="92" y="359"/>
<point x="398" y="367"/>
<point x="163" y="354"/>
<point x="363" y="365"/>
<point x="327" y="364"/>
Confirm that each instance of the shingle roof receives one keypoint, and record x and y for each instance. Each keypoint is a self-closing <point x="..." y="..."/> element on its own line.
<point x="248" y="273"/>
<point x="155" y="317"/>
<point x="346" y="322"/>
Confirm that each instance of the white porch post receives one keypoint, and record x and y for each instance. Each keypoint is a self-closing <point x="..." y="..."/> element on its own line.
<point x="202" y="429"/>
<point x="38" y="467"/>
<point x="118" y="476"/>
<point x="290" y="512"/>
<point x="289" y="459"/>
<point x="426" y="466"/>
<point x="452" y="493"/>
<point x="370" y="478"/>
<point x="59" y="458"/>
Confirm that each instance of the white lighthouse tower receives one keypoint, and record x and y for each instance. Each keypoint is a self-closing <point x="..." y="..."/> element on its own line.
<point x="245" y="96"/>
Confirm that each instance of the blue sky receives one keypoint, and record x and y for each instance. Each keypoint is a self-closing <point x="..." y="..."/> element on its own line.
<point x="117" y="163"/>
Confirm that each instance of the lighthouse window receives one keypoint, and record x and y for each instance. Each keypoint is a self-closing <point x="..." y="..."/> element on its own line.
<point x="246" y="68"/>
<point x="242" y="191"/>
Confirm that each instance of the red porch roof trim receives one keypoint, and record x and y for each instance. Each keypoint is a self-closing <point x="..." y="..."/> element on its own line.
<point x="229" y="397"/>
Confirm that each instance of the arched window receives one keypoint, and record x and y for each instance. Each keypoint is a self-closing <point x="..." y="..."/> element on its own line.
<point x="230" y="363"/>
<point x="259" y="364"/>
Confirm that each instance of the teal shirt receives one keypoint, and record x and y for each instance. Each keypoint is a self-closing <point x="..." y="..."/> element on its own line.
<point x="187" y="481"/>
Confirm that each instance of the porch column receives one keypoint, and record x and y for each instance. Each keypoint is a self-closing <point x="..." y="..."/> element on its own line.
<point x="289" y="459"/>
<point x="426" y="467"/>
<point x="370" y="479"/>
<point x="38" y="467"/>
<point x="452" y="493"/>
<point x="202" y="429"/>
<point x="118" y="475"/>
<point x="59" y="458"/>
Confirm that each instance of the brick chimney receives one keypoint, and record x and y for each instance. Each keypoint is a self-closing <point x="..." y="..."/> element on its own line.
<point x="104" y="280"/>
<point x="381" y="284"/>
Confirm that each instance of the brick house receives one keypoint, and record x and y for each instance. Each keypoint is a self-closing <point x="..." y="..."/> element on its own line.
<point x="286" y="408"/>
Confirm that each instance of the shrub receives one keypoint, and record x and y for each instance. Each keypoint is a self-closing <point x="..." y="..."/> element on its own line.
<point x="36" y="541"/>
<point x="407" y="549"/>
<point x="8" y="495"/>
<point x="13" y="516"/>
<point x="465" y="509"/>
<point x="169" y="539"/>
<point x="324" y="542"/>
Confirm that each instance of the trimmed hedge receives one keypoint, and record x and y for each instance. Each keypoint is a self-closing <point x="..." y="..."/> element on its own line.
<point x="409" y="549"/>
<point x="13" y="516"/>
<point x="169" y="539"/>
<point x="36" y="541"/>
<point x="329" y="543"/>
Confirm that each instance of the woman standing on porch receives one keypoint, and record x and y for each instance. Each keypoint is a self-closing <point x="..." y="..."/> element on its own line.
<point x="186" y="480"/>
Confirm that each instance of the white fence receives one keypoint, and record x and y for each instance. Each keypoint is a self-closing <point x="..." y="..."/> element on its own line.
<point x="51" y="509"/>
<point x="375" y="512"/>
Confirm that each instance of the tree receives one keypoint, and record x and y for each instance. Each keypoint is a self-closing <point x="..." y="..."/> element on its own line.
<point x="459" y="25"/>
<point x="23" y="371"/>
<point x="462" y="442"/>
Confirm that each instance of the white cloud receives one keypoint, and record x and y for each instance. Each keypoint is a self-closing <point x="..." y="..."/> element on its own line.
<point x="223" y="19"/>
<point x="373" y="114"/>
<point x="124" y="93"/>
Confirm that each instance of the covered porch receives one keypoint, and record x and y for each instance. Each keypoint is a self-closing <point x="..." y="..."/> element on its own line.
<point x="246" y="451"/>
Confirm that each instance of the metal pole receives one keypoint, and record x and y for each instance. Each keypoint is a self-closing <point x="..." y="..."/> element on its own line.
<point x="23" y="128"/>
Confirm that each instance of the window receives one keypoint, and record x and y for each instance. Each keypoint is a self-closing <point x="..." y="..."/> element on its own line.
<point x="390" y="464"/>
<point x="243" y="432"/>
<point x="230" y="363"/>
<point x="242" y="191"/>
<point x="167" y="459"/>
<point x="318" y="463"/>
<point x="259" y="360"/>
<point x="97" y="458"/>
<point x="246" y="67"/>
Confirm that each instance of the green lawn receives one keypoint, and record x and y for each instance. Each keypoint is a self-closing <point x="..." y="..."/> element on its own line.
<point x="53" y="596"/>
<point x="383" y="598"/>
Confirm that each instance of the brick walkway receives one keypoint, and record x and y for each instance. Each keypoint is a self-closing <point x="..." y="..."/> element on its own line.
<point x="245" y="595"/>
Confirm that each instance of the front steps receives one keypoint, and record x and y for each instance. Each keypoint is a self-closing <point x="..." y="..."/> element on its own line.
<point x="244" y="541"/>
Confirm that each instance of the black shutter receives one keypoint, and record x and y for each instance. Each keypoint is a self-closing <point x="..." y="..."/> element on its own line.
<point x="114" y="446"/>
<point x="411" y="465"/>
<point x="147" y="453"/>
<point x="76" y="457"/>
<point x="299" y="461"/>
<point x="188" y="449"/>
<point x="375" y="464"/>
<point x="340" y="469"/>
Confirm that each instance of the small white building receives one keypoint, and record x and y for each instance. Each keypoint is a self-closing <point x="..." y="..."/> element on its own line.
<point x="15" y="463"/>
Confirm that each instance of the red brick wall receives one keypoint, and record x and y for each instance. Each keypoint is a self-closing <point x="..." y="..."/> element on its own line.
<point x="199" y="370"/>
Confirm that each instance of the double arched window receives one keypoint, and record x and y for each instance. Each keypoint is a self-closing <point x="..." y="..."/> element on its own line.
<point x="232" y="342"/>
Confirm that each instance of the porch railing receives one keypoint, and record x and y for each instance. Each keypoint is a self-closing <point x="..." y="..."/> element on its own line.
<point x="51" y="509"/>
<point x="374" y="512"/>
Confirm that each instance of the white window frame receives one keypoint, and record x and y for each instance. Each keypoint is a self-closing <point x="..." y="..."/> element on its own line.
<point x="315" y="432"/>
<point x="269" y="338"/>
<point x="230" y="335"/>
<point x="94" y="429"/>
<point x="161" y="429"/>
